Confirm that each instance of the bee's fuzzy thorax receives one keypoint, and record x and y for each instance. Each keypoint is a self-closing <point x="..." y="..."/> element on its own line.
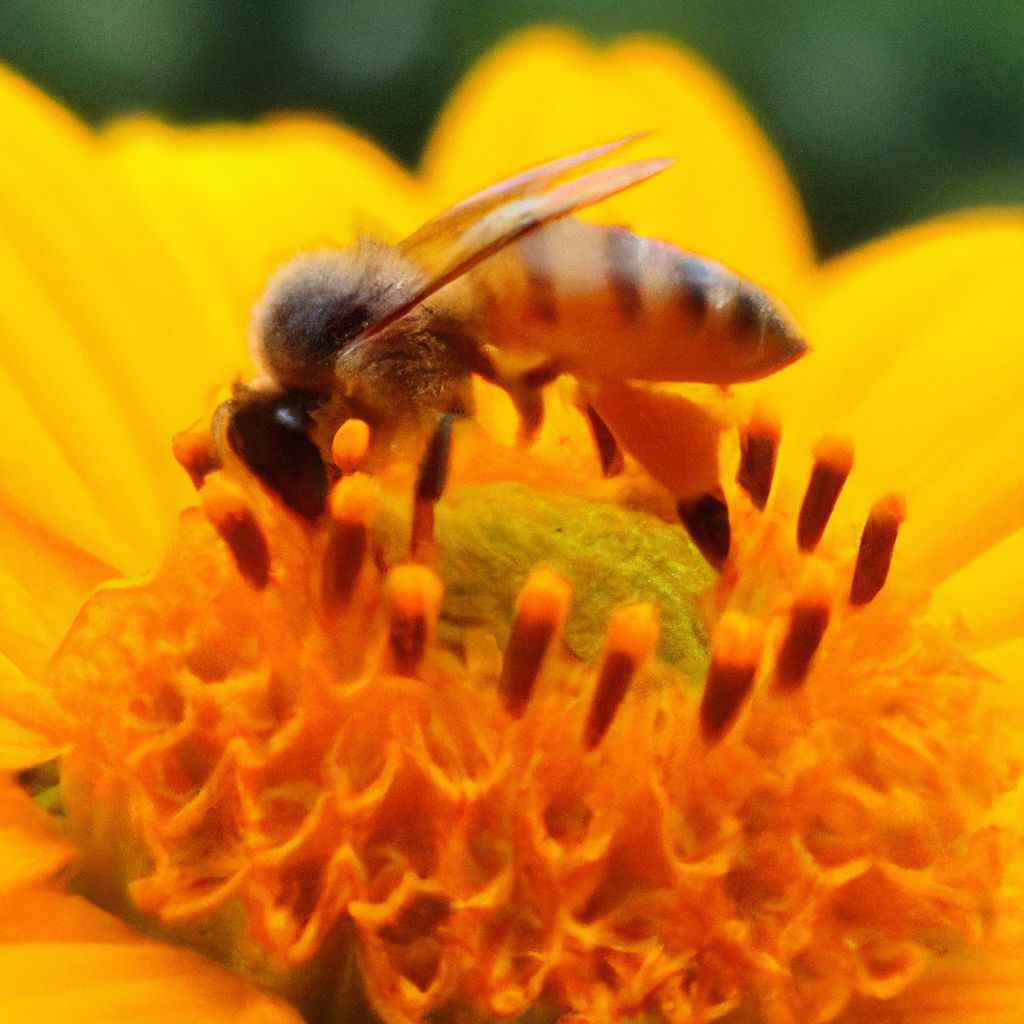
<point x="319" y="302"/>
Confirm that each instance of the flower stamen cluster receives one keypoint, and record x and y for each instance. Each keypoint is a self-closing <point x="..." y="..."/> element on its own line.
<point x="307" y="761"/>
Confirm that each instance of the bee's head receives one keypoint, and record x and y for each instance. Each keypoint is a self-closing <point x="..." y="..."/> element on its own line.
<point x="314" y="306"/>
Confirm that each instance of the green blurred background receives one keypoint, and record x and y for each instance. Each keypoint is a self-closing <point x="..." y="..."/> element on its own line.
<point x="885" y="110"/>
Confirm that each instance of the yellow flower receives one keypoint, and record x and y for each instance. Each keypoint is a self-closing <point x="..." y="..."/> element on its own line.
<point x="478" y="783"/>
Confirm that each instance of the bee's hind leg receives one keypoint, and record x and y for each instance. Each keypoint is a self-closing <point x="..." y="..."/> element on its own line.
<point x="527" y="395"/>
<point x="608" y="451"/>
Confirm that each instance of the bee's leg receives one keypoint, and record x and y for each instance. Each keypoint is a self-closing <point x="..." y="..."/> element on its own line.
<point x="526" y="394"/>
<point x="608" y="450"/>
<point x="430" y="484"/>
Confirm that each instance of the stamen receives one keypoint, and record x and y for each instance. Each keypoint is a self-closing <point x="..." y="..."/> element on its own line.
<point x="541" y="611"/>
<point x="350" y="445"/>
<point x="735" y="654"/>
<point x="429" y="487"/>
<point x="759" y="447"/>
<point x="608" y="450"/>
<point x="632" y="636"/>
<point x="706" y="519"/>
<point x="351" y="505"/>
<point x="195" y="454"/>
<point x="808" y="620"/>
<point x="236" y="525"/>
<point x="874" y="556"/>
<point x="833" y="460"/>
<point x="414" y="598"/>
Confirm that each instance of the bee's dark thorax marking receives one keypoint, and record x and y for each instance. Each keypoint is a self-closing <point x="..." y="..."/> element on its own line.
<point x="540" y="281"/>
<point x="624" y="270"/>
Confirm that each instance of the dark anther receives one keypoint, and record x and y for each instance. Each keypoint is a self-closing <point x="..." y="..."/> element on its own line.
<point x="759" y="450"/>
<point x="346" y="552"/>
<point x="725" y="691"/>
<point x="408" y="640"/>
<point x="528" y="643"/>
<point x="874" y="556"/>
<point x="707" y="521"/>
<point x="244" y="538"/>
<point x="608" y="450"/>
<point x="270" y="434"/>
<point x="807" y="625"/>
<point x="832" y="464"/>
<point x="612" y="682"/>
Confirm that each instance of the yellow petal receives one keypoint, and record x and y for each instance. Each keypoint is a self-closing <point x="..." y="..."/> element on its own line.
<point x="43" y="581"/>
<point x="235" y="202"/>
<point x="917" y="356"/>
<point x="31" y="851"/>
<point x="987" y="988"/>
<point x="1005" y="660"/>
<point x="547" y="93"/>
<point x="31" y="705"/>
<point x="64" y="960"/>
<point x="985" y="599"/>
<point x="106" y="339"/>
<point x="20" y="748"/>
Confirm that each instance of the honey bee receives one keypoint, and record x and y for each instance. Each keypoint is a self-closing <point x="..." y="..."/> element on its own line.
<point x="505" y="284"/>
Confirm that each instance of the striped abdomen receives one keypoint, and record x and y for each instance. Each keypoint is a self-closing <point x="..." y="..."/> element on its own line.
<point x="603" y="302"/>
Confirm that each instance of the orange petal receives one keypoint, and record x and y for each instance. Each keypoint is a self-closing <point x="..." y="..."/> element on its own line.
<point x="62" y="959"/>
<point x="547" y="93"/>
<point x="917" y="356"/>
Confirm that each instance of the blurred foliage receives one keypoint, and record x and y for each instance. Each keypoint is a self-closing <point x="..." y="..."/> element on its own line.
<point x="885" y="110"/>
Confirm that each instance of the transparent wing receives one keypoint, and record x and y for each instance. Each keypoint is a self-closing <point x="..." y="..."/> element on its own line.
<point x="456" y="241"/>
<point x="427" y="244"/>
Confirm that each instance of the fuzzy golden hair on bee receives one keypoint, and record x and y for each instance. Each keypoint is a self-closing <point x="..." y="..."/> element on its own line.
<point x="321" y="301"/>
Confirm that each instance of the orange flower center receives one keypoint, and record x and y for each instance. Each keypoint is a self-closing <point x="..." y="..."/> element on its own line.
<point x="331" y="751"/>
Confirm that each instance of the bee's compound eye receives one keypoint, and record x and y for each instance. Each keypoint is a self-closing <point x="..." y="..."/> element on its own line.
<point x="271" y="436"/>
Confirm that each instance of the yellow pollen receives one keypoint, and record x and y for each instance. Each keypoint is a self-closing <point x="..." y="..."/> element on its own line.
<point x="353" y="498"/>
<point x="350" y="445"/>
